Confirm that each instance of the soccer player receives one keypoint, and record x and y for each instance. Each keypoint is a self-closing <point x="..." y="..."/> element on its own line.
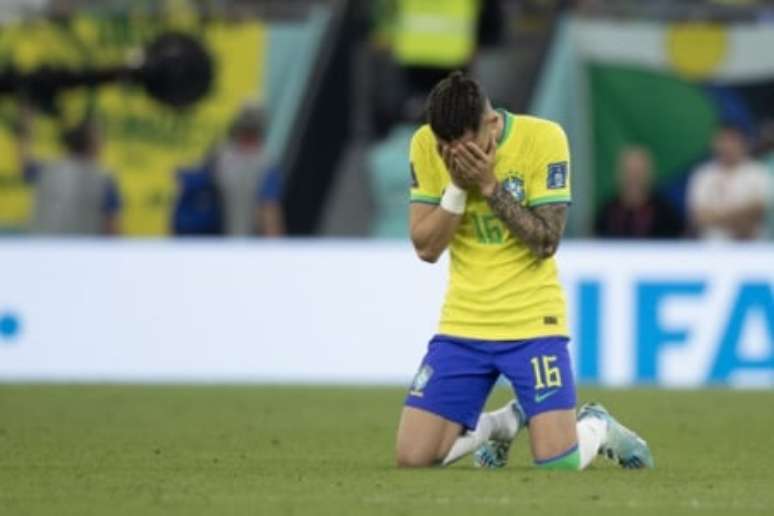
<point x="494" y="188"/>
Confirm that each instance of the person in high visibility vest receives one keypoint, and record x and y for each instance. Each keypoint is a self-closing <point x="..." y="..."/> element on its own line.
<point x="435" y="34"/>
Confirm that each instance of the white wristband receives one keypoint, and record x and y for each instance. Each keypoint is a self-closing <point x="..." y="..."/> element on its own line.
<point x="453" y="199"/>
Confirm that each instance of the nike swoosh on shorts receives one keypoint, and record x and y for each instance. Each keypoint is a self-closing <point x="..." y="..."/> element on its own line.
<point x="540" y="397"/>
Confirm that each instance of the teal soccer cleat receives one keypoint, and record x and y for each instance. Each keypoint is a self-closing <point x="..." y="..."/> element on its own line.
<point x="493" y="454"/>
<point x="621" y="445"/>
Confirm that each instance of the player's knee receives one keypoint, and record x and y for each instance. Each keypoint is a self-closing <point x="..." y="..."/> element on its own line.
<point x="414" y="457"/>
<point x="553" y="433"/>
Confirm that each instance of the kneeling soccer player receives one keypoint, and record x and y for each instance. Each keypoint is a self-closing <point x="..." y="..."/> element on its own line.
<point x="494" y="188"/>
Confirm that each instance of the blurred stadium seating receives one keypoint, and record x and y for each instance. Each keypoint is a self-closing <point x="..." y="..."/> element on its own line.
<point x="353" y="75"/>
<point x="252" y="44"/>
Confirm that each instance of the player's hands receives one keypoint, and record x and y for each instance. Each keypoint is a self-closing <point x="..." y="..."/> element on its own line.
<point x="458" y="175"/>
<point x="477" y="165"/>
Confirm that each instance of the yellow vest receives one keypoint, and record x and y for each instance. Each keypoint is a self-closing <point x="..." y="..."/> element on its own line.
<point x="436" y="33"/>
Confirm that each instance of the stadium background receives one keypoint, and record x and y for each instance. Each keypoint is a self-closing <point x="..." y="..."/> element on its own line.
<point x="341" y="299"/>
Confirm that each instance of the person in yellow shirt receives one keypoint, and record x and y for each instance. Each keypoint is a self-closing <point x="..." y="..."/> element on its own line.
<point x="494" y="188"/>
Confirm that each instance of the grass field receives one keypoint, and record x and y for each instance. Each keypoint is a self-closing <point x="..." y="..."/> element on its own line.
<point x="111" y="450"/>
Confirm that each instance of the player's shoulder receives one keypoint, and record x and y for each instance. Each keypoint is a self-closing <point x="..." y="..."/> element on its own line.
<point x="539" y="126"/>
<point x="423" y="137"/>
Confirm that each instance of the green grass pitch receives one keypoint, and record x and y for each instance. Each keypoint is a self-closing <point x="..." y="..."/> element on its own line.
<point x="115" y="450"/>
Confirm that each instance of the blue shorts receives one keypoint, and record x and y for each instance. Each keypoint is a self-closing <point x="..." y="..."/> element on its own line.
<point x="457" y="375"/>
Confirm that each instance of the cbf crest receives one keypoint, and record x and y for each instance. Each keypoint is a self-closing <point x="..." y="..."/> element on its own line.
<point x="420" y="380"/>
<point x="515" y="186"/>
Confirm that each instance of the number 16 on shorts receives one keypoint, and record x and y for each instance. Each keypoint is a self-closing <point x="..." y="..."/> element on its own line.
<point x="546" y="373"/>
<point x="543" y="378"/>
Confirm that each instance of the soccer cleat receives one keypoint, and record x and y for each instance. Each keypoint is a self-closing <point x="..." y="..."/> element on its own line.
<point x="621" y="445"/>
<point x="493" y="454"/>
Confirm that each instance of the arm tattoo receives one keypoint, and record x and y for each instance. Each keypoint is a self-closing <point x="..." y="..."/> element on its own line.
<point x="540" y="228"/>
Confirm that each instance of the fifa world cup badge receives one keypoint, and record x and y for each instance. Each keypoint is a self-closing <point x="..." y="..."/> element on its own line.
<point x="557" y="175"/>
<point x="515" y="186"/>
<point x="420" y="380"/>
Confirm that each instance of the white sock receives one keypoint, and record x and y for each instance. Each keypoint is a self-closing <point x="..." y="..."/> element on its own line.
<point x="500" y="424"/>
<point x="591" y="436"/>
<point x="505" y="424"/>
<point x="463" y="445"/>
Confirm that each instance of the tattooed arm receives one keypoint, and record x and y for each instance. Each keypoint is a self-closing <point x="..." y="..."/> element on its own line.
<point x="540" y="228"/>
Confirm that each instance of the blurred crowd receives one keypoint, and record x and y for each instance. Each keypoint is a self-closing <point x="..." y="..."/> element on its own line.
<point x="237" y="190"/>
<point x="728" y="197"/>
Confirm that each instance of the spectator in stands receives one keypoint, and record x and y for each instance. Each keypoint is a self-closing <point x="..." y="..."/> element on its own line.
<point x="236" y="190"/>
<point x="430" y="39"/>
<point x="416" y="43"/>
<point x="728" y="197"/>
<point x="766" y="155"/>
<point x="637" y="211"/>
<point x="198" y="209"/>
<point x="73" y="195"/>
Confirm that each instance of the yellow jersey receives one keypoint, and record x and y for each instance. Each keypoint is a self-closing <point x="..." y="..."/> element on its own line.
<point x="498" y="289"/>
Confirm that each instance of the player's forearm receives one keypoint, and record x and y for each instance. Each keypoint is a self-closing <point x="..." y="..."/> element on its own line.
<point x="432" y="234"/>
<point x="540" y="229"/>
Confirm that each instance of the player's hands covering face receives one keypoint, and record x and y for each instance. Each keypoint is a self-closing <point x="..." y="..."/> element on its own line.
<point x="459" y="176"/>
<point x="476" y="165"/>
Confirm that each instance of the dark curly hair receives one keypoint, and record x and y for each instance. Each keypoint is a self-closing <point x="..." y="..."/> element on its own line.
<point x="454" y="106"/>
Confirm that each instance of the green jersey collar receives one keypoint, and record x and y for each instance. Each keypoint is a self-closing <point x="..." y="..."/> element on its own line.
<point x="507" y="126"/>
